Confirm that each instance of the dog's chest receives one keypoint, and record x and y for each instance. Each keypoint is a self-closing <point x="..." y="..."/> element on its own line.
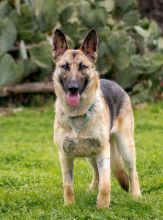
<point x="81" y="136"/>
<point x="85" y="147"/>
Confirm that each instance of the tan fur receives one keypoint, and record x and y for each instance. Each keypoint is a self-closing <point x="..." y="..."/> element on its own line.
<point x="88" y="95"/>
<point x="68" y="195"/>
<point x="95" y="180"/>
<point x="103" y="147"/>
<point x="123" y="132"/>
<point x="103" y="198"/>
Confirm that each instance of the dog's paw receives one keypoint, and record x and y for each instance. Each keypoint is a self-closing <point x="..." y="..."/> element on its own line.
<point x="137" y="194"/>
<point x="68" y="195"/>
<point x="103" y="204"/>
<point x="68" y="202"/>
<point x="103" y="199"/>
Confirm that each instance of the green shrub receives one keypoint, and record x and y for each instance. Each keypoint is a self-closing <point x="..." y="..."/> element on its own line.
<point x="130" y="49"/>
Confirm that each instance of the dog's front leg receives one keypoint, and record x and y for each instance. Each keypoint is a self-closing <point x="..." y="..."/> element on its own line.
<point x="103" y="163"/>
<point x="67" y="174"/>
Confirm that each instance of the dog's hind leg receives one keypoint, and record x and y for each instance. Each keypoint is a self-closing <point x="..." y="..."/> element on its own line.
<point x="95" y="180"/>
<point x="126" y="146"/>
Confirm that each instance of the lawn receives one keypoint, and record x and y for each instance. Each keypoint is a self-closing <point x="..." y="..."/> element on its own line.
<point x="30" y="177"/>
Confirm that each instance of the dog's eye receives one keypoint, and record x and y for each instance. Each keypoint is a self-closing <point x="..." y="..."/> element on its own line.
<point x="82" y="66"/>
<point x="65" y="66"/>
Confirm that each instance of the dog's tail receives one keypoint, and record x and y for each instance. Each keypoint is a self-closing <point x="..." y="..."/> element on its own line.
<point x="117" y="166"/>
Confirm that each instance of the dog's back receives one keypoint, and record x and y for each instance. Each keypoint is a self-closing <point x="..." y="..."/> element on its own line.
<point x="114" y="96"/>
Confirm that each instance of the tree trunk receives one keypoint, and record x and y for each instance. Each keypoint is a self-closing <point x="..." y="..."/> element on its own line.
<point x="37" y="87"/>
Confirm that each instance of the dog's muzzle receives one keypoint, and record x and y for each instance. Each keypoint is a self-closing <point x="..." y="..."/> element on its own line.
<point x="74" y="89"/>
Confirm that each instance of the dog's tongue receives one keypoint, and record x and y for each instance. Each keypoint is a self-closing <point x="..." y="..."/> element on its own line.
<point x="73" y="100"/>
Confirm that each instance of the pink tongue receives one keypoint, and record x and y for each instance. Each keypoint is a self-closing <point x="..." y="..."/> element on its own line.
<point x="73" y="100"/>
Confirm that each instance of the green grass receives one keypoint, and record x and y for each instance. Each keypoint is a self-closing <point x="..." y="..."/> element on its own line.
<point x="30" y="176"/>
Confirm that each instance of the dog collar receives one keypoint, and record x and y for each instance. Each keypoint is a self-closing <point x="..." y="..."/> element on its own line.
<point x="88" y="114"/>
<point x="86" y="117"/>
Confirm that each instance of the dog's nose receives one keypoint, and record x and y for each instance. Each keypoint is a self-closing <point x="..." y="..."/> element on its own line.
<point x="73" y="87"/>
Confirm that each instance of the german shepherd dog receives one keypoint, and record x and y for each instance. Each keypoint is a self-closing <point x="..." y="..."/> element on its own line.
<point x="94" y="119"/>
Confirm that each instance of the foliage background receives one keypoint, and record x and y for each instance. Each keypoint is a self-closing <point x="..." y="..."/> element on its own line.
<point x="130" y="49"/>
<point x="131" y="52"/>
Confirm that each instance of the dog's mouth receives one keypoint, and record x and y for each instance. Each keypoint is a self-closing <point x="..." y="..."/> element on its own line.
<point x="73" y="100"/>
<point x="74" y="90"/>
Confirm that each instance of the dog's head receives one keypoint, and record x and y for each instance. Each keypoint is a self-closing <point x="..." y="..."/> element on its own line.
<point x="75" y="77"/>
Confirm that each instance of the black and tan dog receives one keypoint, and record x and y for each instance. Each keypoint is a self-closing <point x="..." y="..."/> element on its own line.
<point x="94" y="119"/>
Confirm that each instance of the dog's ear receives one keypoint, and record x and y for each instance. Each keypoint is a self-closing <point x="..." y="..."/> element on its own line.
<point x="90" y="45"/>
<point x="59" y="44"/>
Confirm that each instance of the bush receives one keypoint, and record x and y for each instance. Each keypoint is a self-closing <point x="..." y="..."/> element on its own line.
<point x="130" y="49"/>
